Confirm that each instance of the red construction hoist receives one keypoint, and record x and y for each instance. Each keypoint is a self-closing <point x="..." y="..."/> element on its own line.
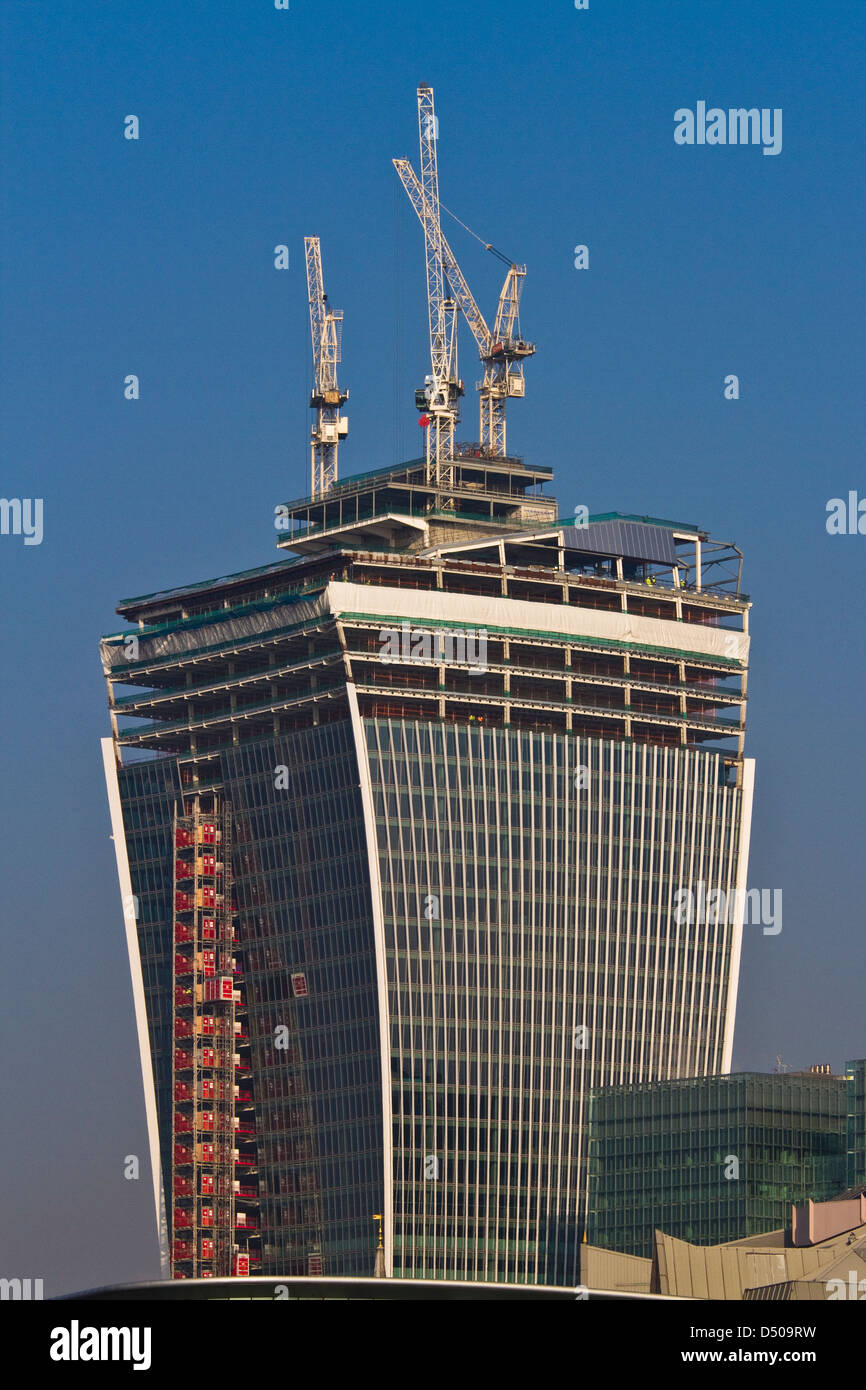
<point x="214" y="1169"/>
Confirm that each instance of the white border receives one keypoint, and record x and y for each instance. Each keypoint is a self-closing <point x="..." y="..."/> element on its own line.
<point x="119" y="837"/>
<point x="748" y="789"/>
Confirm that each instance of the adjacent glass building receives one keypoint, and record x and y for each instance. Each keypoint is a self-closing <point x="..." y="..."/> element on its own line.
<point x="712" y="1159"/>
<point x="856" y="1076"/>
<point x="404" y="827"/>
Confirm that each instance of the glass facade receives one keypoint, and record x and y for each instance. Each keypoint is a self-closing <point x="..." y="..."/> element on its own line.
<point x="856" y="1074"/>
<point x="304" y="908"/>
<point x="300" y="879"/>
<point x="527" y="882"/>
<point x="711" y="1159"/>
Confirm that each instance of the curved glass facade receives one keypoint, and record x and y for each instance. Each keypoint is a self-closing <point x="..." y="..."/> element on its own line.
<point x="532" y="952"/>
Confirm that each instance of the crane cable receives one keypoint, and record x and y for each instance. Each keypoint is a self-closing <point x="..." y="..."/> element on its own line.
<point x="486" y="244"/>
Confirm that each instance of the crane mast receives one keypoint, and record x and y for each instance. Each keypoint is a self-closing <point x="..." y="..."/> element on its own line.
<point x="443" y="388"/>
<point x="503" y="351"/>
<point x="327" y="398"/>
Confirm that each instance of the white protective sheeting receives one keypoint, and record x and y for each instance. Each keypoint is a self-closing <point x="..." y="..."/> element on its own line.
<point x="209" y="634"/>
<point x="418" y="606"/>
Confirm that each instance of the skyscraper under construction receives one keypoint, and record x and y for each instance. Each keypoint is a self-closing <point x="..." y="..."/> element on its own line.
<point x="400" y="821"/>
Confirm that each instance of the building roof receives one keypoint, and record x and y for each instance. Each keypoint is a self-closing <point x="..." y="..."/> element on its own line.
<point x="752" y="1267"/>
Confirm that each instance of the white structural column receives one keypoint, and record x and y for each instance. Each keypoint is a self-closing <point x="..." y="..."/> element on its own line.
<point x="748" y="790"/>
<point x="381" y="973"/>
<point x="118" y="835"/>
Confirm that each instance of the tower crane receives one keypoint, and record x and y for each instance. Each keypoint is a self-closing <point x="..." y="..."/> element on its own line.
<point x="327" y="398"/>
<point x="443" y="389"/>
<point x="503" y="351"/>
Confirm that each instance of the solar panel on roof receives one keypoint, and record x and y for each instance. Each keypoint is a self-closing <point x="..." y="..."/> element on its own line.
<point x="633" y="540"/>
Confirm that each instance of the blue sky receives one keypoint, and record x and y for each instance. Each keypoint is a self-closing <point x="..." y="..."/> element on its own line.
<point x="155" y="257"/>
